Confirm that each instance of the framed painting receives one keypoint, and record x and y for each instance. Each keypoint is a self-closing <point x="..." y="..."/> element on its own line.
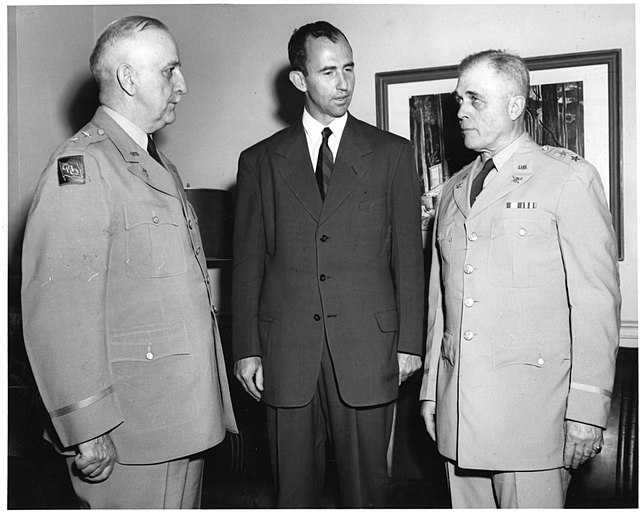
<point x="574" y="102"/>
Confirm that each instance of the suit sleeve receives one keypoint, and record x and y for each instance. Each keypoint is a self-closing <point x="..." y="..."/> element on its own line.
<point x="589" y="253"/>
<point x="248" y="260"/>
<point x="64" y="290"/>
<point x="435" y="324"/>
<point x="407" y="257"/>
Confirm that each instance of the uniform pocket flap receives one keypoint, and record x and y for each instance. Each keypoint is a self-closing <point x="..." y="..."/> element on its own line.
<point x="149" y="342"/>
<point x="387" y="321"/>
<point x="144" y="213"/>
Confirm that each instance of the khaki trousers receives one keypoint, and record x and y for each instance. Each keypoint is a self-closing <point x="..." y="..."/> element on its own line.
<point x="171" y="485"/>
<point x="489" y="489"/>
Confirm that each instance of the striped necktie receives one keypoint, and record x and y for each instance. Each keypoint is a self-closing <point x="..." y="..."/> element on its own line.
<point x="324" y="166"/>
<point x="478" y="182"/>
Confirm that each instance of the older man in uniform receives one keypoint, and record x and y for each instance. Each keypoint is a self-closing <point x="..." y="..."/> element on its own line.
<point x="524" y="304"/>
<point x="118" y="319"/>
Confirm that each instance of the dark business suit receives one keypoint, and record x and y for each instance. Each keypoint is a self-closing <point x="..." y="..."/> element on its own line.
<point x="341" y="277"/>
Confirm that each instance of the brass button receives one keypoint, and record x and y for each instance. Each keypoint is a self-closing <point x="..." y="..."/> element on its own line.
<point x="522" y="231"/>
<point x="149" y="355"/>
<point x="540" y="361"/>
<point x="468" y="269"/>
<point x="468" y="335"/>
<point x="155" y="220"/>
<point x="473" y="236"/>
<point x="469" y="302"/>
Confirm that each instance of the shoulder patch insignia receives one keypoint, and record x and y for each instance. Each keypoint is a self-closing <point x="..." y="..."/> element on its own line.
<point x="71" y="170"/>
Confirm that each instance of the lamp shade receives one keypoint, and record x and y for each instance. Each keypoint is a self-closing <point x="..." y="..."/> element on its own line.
<point x="214" y="209"/>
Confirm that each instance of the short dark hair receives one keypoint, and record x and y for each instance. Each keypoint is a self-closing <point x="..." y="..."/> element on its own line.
<point x="117" y="30"/>
<point x="298" y="42"/>
<point x="510" y="66"/>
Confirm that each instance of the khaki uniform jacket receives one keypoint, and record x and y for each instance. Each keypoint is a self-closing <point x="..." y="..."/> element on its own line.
<point x="525" y="332"/>
<point x="350" y="268"/>
<point x="118" y="321"/>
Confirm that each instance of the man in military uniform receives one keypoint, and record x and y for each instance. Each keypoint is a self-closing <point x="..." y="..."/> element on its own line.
<point x="524" y="305"/>
<point x="118" y="319"/>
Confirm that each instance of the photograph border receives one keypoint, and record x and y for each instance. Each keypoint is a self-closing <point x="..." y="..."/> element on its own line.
<point x="611" y="58"/>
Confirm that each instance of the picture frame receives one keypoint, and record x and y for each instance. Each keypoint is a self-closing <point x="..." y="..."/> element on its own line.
<point x="587" y="84"/>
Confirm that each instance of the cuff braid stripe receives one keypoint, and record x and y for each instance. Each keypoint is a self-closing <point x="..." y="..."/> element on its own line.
<point x="82" y="404"/>
<point x="591" y="389"/>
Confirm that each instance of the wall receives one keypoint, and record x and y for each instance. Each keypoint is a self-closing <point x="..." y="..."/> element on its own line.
<point x="233" y="59"/>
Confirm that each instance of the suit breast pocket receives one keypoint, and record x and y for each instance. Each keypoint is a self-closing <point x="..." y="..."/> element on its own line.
<point x="523" y="251"/>
<point x="372" y="222"/>
<point x="154" y="246"/>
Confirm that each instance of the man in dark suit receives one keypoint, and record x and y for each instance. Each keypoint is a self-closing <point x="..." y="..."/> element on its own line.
<point x="328" y="281"/>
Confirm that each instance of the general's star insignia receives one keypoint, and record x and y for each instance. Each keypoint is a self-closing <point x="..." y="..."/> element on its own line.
<point x="563" y="153"/>
<point x="516" y="178"/>
<point x="575" y="158"/>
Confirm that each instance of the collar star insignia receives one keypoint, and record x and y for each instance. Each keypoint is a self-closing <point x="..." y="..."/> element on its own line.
<point x="563" y="153"/>
<point x="459" y="185"/>
<point x="517" y="179"/>
<point x="575" y="158"/>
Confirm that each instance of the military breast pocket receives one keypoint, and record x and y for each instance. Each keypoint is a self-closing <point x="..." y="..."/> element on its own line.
<point x="523" y="251"/>
<point x="153" y="244"/>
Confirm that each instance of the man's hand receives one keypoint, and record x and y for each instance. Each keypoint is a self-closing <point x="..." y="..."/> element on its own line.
<point x="96" y="458"/>
<point x="582" y="442"/>
<point x="249" y="373"/>
<point x="407" y="365"/>
<point x="428" y="412"/>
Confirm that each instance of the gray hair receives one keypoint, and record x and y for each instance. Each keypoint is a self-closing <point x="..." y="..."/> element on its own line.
<point x="117" y="31"/>
<point x="509" y="66"/>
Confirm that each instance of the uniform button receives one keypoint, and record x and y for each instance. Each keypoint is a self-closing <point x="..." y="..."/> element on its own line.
<point x="469" y="302"/>
<point x="149" y="355"/>
<point x="100" y="132"/>
<point x="323" y="277"/>
<point x="207" y="280"/>
<point x="541" y="361"/>
<point x="324" y="238"/>
<point x="468" y="335"/>
<point x="473" y="236"/>
<point x="155" y="220"/>
<point x="198" y="251"/>
<point x="468" y="269"/>
<point x="522" y="231"/>
<point x="316" y="317"/>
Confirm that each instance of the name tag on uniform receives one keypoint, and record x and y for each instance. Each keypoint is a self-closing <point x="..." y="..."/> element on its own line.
<point x="521" y="205"/>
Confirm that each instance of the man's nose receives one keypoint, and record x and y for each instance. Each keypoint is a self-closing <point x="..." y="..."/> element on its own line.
<point x="181" y="83"/>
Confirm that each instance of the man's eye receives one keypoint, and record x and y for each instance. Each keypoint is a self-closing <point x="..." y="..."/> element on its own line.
<point x="169" y="72"/>
<point x="476" y="102"/>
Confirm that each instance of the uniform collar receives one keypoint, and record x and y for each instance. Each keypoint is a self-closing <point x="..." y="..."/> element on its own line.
<point x="134" y="132"/>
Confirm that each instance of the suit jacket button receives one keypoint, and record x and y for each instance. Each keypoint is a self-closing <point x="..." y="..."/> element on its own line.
<point x="316" y="317"/>
<point x="323" y="277"/>
<point x="468" y="335"/>
<point x="324" y="238"/>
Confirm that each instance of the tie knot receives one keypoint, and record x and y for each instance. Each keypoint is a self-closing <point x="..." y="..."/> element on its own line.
<point x="326" y="132"/>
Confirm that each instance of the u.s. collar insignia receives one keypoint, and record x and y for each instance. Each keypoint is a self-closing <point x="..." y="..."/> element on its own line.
<point x="517" y="179"/>
<point x="71" y="170"/>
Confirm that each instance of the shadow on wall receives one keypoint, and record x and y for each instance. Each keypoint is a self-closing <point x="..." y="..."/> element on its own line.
<point x="290" y="100"/>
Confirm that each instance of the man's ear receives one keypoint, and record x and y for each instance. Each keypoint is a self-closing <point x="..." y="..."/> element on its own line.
<point x="517" y="105"/>
<point x="297" y="78"/>
<point x="125" y="79"/>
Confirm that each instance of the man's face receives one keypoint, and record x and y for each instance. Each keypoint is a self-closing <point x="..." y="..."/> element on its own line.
<point x="330" y="78"/>
<point x="485" y="100"/>
<point x="159" y="84"/>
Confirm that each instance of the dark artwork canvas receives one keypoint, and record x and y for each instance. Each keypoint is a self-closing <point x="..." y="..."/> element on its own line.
<point x="554" y="116"/>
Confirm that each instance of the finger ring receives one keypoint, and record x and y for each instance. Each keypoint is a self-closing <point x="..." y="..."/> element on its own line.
<point x="597" y="449"/>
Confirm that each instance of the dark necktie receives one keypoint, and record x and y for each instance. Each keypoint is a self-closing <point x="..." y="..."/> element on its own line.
<point x="151" y="148"/>
<point x="324" y="166"/>
<point x="478" y="182"/>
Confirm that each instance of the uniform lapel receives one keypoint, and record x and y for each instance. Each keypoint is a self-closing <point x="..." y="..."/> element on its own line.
<point x="349" y="167"/>
<point x="292" y="162"/>
<point x="462" y="188"/>
<point x="139" y="163"/>
<point x="515" y="172"/>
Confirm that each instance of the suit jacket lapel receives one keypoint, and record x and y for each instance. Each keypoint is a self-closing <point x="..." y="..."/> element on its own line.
<point x="293" y="163"/>
<point x="139" y="163"/>
<point x="349" y="167"/>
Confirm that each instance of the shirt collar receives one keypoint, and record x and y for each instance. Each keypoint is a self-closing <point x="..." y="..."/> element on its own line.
<point x="501" y="158"/>
<point x="313" y="127"/>
<point x="134" y="132"/>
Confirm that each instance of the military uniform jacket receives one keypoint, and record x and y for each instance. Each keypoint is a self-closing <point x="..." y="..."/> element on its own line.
<point x="350" y="268"/>
<point x="525" y="334"/>
<point x="118" y="321"/>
